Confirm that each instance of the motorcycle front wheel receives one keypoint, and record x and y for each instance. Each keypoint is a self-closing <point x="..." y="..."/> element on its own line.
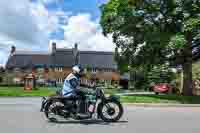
<point x="110" y="111"/>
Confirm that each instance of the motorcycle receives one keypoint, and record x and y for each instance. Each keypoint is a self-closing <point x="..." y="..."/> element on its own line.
<point x="95" y="103"/>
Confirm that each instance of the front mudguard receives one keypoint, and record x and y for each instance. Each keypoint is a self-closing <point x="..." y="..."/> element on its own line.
<point x="113" y="98"/>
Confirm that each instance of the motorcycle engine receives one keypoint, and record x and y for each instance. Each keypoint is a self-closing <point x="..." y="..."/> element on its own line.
<point x="58" y="109"/>
<point x="83" y="107"/>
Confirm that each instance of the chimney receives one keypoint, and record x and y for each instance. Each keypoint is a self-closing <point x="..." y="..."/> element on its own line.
<point x="12" y="51"/>
<point x="53" y="48"/>
<point x="76" y="46"/>
<point x="76" y="54"/>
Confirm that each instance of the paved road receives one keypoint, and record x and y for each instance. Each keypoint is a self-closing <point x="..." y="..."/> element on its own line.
<point x="21" y="115"/>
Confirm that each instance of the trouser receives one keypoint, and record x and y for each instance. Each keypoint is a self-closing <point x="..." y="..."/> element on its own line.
<point x="72" y="98"/>
<point x="76" y="94"/>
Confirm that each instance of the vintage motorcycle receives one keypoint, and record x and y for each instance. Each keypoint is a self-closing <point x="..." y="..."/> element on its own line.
<point x="95" y="103"/>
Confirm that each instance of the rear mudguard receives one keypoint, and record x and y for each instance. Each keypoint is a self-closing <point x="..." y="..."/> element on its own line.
<point x="46" y="101"/>
<point x="46" y="104"/>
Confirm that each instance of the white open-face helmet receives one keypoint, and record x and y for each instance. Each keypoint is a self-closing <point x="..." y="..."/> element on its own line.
<point x="77" y="69"/>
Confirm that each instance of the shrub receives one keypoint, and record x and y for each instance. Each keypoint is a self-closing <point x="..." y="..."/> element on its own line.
<point x="158" y="74"/>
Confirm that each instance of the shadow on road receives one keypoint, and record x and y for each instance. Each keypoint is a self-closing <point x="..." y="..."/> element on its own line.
<point x="87" y="122"/>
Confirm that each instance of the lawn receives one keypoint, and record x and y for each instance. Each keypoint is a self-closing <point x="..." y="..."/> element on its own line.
<point x="41" y="91"/>
<point x="161" y="99"/>
<point x="19" y="91"/>
<point x="44" y="91"/>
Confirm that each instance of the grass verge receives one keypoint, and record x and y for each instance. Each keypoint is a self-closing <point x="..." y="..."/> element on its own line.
<point x="161" y="99"/>
<point x="44" y="91"/>
<point x="19" y="91"/>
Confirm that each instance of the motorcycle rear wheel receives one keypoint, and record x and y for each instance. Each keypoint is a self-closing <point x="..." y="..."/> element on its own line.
<point x="50" y="112"/>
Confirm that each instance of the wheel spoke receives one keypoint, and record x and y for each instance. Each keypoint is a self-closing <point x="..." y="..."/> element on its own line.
<point x="107" y="105"/>
<point x="106" y="109"/>
<point x="104" y="112"/>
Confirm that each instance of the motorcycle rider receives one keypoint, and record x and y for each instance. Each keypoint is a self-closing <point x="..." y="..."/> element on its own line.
<point x="72" y="81"/>
<point x="70" y="88"/>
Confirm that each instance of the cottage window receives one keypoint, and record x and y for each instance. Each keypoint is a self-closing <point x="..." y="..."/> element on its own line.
<point x="59" y="80"/>
<point x="40" y="77"/>
<point x="107" y="70"/>
<point x="17" y="70"/>
<point x="40" y="70"/>
<point x="26" y="70"/>
<point x="58" y="69"/>
<point x="84" y="81"/>
<point x="94" y="70"/>
<point x="108" y="82"/>
<point x="81" y="81"/>
<point x="102" y="81"/>
<point x="50" y="69"/>
<point x="16" y="80"/>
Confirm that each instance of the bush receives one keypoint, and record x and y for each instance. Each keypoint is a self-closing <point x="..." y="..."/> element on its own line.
<point x="1" y="79"/>
<point x="158" y="74"/>
<point x="196" y="74"/>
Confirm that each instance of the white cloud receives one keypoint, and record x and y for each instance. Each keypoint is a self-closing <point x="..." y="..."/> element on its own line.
<point x="3" y="59"/>
<point x="99" y="42"/>
<point x="50" y="1"/>
<point x="16" y="21"/>
<point x="18" y="26"/>
<point x="82" y="30"/>
<point x="26" y="25"/>
<point x="45" y="21"/>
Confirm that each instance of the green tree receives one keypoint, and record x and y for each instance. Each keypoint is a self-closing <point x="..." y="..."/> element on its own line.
<point x="153" y="32"/>
<point x="2" y="71"/>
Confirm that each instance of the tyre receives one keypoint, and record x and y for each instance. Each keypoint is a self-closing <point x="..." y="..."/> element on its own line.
<point x="46" y="110"/>
<point x="110" y="111"/>
<point x="51" y="111"/>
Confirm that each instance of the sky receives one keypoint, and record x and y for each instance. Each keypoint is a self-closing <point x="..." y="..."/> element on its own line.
<point x="35" y="24"/>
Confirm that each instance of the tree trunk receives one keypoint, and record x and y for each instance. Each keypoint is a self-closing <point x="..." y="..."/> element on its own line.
<point x="187" y="66"/>
<point x="187" y="79"/>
